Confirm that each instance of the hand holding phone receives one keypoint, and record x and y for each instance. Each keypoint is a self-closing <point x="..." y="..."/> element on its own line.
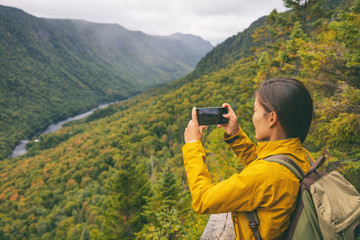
<point x="232" y="127"/>
<point x="193" y="131"/>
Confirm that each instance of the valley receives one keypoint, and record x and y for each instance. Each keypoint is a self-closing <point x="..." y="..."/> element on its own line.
<point x="20" y="149"/>
<point x="52" y="69"/>
<point x="118" y="173"/>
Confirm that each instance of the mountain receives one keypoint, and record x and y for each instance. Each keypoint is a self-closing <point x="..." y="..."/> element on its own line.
<point x="194" y="42"/>
<point x="232" y="49"/>
<point x="83" y="178"/>
<point x="52" y="68"/>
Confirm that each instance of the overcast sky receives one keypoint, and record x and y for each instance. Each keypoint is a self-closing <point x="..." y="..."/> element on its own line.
<point x="213" y="20"/>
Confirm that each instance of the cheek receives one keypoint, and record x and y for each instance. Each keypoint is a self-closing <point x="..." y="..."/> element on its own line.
<point x="254" y="119"/>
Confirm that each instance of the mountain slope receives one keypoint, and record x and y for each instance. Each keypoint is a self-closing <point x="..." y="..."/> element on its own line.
<point x="232" y="49"/>
<point x="51" y="69"/>
<point x="60" y="188"/>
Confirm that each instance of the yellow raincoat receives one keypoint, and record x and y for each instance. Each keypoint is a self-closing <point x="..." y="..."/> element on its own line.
<point x="268" y="187"/>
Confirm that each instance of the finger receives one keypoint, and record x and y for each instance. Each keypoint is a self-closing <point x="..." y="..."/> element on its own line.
<point x="222" y="125"/>
<point x="228" y="107"/>
<point x="194" y="116"/>
<point x="230" y="111"/>
<point x="202" y="127"/>
<point x="225" y="105"/>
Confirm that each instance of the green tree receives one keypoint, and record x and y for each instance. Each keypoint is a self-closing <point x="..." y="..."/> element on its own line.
<point x="85" y="235"/>
<point x="128" y="189"/>
<point x="304" y="9"/>
<point x="164" y="210"/>
<point x="347" y="32"/>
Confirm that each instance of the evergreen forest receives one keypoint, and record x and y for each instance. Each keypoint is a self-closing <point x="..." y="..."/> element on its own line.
<point x="118" y="174"/>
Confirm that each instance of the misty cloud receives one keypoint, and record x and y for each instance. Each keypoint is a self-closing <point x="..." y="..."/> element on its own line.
<point x="213" y="20"/>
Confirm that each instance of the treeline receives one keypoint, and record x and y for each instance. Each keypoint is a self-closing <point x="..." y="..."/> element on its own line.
<point x="121" y="176"/>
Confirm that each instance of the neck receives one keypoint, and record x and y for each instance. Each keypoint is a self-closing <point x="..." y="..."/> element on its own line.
<point x="277" y="133"/>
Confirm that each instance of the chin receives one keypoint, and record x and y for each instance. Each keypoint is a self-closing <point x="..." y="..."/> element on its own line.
<point x="261" y="139"/>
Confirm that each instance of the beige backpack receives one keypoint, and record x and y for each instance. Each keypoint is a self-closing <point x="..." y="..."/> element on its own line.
<point x="328" y="205"/>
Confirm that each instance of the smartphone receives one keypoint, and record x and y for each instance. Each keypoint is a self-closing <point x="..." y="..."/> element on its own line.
<point x="212" y="115"/>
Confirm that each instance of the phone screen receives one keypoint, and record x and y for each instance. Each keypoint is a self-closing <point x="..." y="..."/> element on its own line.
<point x="213" y="115"/>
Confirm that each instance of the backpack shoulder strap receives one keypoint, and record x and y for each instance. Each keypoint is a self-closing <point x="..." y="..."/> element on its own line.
<point x="316" y="164"/>
<point x="294" y="168"/>
<point x="253" y="224"/>
<point x="289" y="163"/>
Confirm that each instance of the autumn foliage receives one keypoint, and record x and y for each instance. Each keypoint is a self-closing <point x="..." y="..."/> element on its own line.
<point x="78" y="181"/>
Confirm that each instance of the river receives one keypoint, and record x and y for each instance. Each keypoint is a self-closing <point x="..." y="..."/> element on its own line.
<point x="20" y="149"/>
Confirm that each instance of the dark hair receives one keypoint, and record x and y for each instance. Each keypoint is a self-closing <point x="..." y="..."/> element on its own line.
<point x="292" y="103"/>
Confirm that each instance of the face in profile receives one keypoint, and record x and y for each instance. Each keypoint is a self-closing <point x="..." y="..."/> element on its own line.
<point x="260" y="121"/>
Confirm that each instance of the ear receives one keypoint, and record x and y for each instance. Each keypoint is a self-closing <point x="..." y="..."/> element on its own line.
<point x="273" y="119"/>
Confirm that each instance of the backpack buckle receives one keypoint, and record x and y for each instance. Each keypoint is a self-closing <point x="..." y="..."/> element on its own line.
<point x="252" y="225"/>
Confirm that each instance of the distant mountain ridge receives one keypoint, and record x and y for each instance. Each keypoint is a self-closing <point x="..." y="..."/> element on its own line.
<point x="232" y="49"/>
<point x="54" y="68"/>
<point x="73" y="182"/>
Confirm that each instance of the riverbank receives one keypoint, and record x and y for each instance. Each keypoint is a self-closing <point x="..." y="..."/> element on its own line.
<point x="20" y="149"/>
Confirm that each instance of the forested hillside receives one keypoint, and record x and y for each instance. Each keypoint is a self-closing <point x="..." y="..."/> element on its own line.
<point x="51" y="69"/>
<point x="119" y="173"/>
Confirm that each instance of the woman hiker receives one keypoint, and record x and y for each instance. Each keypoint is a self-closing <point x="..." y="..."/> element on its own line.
<point x="283" y="111"/>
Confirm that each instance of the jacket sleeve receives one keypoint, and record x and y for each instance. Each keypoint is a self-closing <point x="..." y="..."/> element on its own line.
<point x="243" y="147"/>
<point x="238" y="193"/>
